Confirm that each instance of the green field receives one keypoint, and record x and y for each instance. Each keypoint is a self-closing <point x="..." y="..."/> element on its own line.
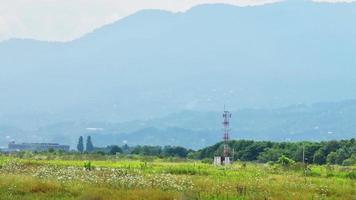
<point x="112" y="177"/>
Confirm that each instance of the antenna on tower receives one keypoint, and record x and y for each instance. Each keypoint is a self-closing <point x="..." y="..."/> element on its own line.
<point x="226" y="123"/>
<point x="225" y="158"/>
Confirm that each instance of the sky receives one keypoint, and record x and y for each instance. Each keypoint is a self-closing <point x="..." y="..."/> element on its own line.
<point x="65" y="20"/>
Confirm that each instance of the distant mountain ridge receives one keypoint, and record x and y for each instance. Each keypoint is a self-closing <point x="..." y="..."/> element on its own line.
<point x="155" y="63"/>
<point x="248" y="56"/>
<point x="198" y="129"/>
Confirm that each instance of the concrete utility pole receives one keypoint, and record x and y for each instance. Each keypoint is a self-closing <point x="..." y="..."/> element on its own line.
<point x="303" y="154"/>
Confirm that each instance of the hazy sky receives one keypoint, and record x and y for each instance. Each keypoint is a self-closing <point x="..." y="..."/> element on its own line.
<point x="64" y="20"/>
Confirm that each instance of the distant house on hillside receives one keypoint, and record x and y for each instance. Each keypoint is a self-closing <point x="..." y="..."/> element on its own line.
<point x="36" y="147"/>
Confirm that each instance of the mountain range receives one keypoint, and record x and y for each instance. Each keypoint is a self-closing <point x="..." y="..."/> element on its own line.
<point x="197" y="129"/>
<point x="155" y="63"/>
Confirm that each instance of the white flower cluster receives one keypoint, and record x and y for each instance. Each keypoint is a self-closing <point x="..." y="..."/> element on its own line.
<point x="115" y="177"/>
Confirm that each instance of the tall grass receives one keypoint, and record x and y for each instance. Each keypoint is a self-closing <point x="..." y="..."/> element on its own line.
<point x="29" y="178"/>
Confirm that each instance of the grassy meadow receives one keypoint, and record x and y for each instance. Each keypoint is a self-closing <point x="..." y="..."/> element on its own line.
<point x="112" y="177"/>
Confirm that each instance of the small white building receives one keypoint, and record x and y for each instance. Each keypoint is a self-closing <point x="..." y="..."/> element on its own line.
<point x="218" y="160"/>
<point x="36" y="147"/>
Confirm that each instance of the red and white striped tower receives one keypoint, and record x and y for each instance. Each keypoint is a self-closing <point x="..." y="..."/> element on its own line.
<point x="226" y="123"/>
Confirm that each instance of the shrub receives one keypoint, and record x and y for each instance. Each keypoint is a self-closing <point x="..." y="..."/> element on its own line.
<point x="285" y="161"/>
<point x="88" y="166"/>
<point x="350" y="161"/>
<point x="115" y="149"/>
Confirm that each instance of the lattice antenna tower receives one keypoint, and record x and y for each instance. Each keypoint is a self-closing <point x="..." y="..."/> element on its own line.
<point x="226" y="129"/>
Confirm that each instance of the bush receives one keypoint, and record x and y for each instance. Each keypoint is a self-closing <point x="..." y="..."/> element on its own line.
<point x="88" y="166"/>
<point x="115" y="149"/>
<point x="285" y="161"/>
<point x="350" y="161"/>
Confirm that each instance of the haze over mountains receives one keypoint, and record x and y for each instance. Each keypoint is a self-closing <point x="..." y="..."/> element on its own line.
<point x="155" y="63"/>
<point x="198" y="129"/>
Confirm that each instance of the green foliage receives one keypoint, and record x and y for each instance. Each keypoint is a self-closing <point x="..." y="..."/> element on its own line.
<point x="88" y="166"/>
<point x="332" y="158"/>
<point x="271" y="154"/>
<point x="80" y="145"/>
<point x="319" y="157"/>
<point x="333" y="152"/>
<point x="167" y="151"/>
<point x="350" y="161"/>
<point x="114" y="149"/>
<point x="89" y="145"/>
<point x="175" y="151"/>
<point x="285" y="161"/>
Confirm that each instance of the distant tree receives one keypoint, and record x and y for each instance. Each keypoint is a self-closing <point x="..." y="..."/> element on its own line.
<point x="193" y="155"/>
<point x="350" y="161"/>
<point x="319" y="157"/>
<point x="126" y="148"/>
<point x="252" y="151"/>
<point x="331" y="146"/>
<point x="80" y="145"/>
<point x="271" y="154"/>
<point x="333" y="152"/>
<point x="175" y="151"/>
<point x="342" y="154"/>
<point x="115" y="149"/>
<point x="150" y="150"/>
<point x="136" y="150"/>
<point x="309" y="149"/>
<point x="89" y="145"/>
<point x="331" y="158"/>
<point x="338" y="157"/>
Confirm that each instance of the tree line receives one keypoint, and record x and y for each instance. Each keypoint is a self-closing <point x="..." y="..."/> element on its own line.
<point x="341" y="152"/>
<point x="89" y="147"/>
<point x="166" y="151"/>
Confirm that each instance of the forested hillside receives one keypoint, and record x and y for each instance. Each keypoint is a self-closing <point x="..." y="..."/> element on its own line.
<point x="341" y="152"/>
<point x="331" y="152"/>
